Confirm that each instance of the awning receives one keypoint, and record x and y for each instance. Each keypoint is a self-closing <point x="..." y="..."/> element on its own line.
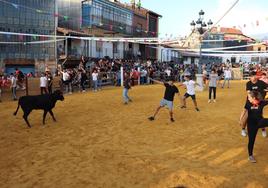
<point x="19" y="61"/>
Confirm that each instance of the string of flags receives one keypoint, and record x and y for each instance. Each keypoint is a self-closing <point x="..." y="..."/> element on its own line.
<point x="253" y="24"/>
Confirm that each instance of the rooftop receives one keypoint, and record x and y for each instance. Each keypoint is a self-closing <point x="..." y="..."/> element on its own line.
<point x="141" y="11"/>
<point x="226" y="30"/>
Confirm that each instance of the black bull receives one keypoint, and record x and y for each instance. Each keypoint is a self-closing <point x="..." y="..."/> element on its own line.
<point x="39" y="102"/>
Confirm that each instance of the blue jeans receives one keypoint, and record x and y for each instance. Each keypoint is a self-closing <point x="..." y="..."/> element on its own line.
<point x="118" y="82"/>
<point x="99" y="83"/>
<point x="143" y="80"/>
<point x="95" y="84"/>
<point x="125" y="95"/>
<point x="13" y="90"/>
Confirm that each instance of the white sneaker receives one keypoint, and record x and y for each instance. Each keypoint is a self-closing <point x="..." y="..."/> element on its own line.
<point x="264" y="134"/>
<point x="214" y="100"/>
<point x="252" y="159"/>
<point x="209" y="101"/>
<point x="244" y="133"/>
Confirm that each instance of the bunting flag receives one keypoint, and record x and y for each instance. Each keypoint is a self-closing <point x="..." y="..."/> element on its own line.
<point x="20" y="37"/>
<point x="66" y="18"/>
<point x="15" y="5"/>
<point x="39" y="11"/>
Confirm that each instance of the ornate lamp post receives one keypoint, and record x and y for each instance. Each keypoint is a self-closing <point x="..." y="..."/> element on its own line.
<point x="200" y="26"/>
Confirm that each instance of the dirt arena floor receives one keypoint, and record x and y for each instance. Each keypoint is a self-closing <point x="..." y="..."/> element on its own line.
<point x="99" y="142"/>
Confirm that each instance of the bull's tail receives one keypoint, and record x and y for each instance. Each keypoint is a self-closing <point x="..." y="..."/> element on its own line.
<point x="15" y="113"/>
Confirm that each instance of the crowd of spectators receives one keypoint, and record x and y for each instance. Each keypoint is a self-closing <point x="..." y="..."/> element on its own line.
<point x="97" y="73"/>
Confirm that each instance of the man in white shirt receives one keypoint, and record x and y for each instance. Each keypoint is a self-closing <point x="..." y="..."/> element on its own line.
<point x="227" y="77"/>
<point x="95" y="80"/>
<point x="143" y="76"/>
<point x="66" y="78"/>
<point x="168" y="72"/>
<point x="13" y="86"/>
<point x="190" y="86"/>
<point x="43" y="84"/>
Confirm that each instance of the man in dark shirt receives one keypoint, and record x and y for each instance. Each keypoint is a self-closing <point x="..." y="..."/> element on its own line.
<point x="170" y="92"/>
<point x="254" y="84"/>
<point x="127" y="87"/>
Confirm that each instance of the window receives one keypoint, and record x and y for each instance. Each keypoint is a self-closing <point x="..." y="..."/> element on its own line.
<point x="115" y="47"/>
<point x="99" y="46"/>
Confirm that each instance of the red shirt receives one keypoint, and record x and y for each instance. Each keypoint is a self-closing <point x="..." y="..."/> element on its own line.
<point x="258" y="74"/>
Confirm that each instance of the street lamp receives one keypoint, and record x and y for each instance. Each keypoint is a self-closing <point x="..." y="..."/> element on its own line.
<point x="200" y="25"/>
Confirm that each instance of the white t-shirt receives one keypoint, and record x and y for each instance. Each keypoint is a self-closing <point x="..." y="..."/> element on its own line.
<point x="43" y="81"/>
<point x="143" y="73"/>
<point x="227" y="74"/>
<point x="168" y="72"/>
<point x="190" y="87"/>
<point x="65" y="76"/>
<point x="95" y="76"/>
<point x="205" y="73"/>
<point x="13" y="81"/>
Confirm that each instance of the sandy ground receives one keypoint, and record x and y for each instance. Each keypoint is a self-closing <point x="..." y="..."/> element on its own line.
<point x="99" y="142"/>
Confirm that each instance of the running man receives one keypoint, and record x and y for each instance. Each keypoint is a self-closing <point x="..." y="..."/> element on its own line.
<point x="255" y="121"/>
<point x="127" y="87"/>
<point x="168" y="99"/>
<point x="190" y="86"/>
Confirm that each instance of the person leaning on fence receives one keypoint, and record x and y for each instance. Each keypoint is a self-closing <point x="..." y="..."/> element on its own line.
<point x="143" y="76"/>
<point x="220" y="75"/>
<point x="43" y="84"/>
<point x="118" y="78"/>
<point x="49" y="82"/>
<point x="66" y="79"/>
<point x="20" y="78"/>
<point x="13" y="86"/>
<point x="83" y="78"/>
<point x="100" y="77"/>
<point x="95" y="80"/>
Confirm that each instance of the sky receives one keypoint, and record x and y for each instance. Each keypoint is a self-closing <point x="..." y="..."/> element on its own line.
<point x="177" y="14"/>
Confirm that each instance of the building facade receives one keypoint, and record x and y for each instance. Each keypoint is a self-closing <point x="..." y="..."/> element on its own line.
<point x="104" y="18"/>
<point x="221" y="38"/>
<point x="24" y="52"/>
